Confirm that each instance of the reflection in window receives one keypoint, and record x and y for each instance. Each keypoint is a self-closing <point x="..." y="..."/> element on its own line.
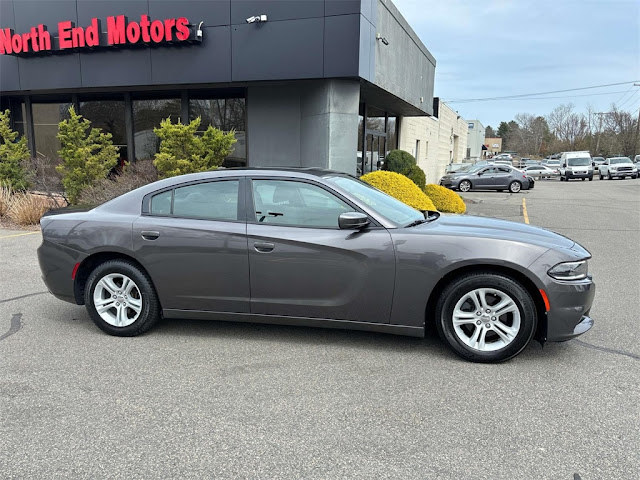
<point x="18" y="114"/>
<point x="108" y="116"/>
<point x="392" y="134"/>
<point x="225" y="114"/>
<point x="46" y="117"/>
<point x="147" y="115"/>
<point x="211" y="200"/>
<point x="161" y="203"/>
<point x="296" y="204"/>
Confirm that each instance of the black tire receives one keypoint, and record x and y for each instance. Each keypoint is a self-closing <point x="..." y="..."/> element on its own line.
<point x="515" y="186"/>
<point x="561" y="178"/>
<point x="458" y="288"/>
<point x="150" y="311"/>
<point x="467" y="186"/>
<point x="609" y="177"/>
<point x="583" y="179"/>
<point x="601" y="177"/>
<point x="591" y="179"/>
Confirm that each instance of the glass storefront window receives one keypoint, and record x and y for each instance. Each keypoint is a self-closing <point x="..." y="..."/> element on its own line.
<point x="108" y="116"/>
<point x="147" y="115"/>
<point x="46" y="117"/>
<point x="18" y="114"/>
<point x="375" y="119"/>
<point x="392" y="133"/>
<point x="225" y="114"/>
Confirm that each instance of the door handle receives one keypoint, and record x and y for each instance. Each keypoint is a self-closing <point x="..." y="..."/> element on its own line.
<point x="149" y="235"/>
<point x="263" y="247"/>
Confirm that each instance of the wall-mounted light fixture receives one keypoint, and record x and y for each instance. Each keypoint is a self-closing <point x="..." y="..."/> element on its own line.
<point x="382" y="39"/>
<point x="199" y="31"/>
<point x="257" y="18"/>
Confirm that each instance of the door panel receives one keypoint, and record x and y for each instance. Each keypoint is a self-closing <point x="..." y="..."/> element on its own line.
<point x="321" y="272"/>
<point x="195" y="264"/>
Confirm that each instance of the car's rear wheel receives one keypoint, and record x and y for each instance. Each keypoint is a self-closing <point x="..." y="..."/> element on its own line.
<point x="515" y="186"/>
<point x="609" y="177"/>
<point x="486" y="317"/>
<point x="601" y="177"/>
<point x="120" y="299"/>
<point x="465" y="186"/>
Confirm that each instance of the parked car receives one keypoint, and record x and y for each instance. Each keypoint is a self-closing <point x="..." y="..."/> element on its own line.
<point x="576" y="165"/>
<point x="488" y="177"/>
<point x="596" y="162"/>
<point x="541" y="171"/>
<point x="551" y="163"/>
<point x="617" y="167"/>
<point x="636" y="162"/>
<point x="312" y="247"/>
<point x="503" y="156"/>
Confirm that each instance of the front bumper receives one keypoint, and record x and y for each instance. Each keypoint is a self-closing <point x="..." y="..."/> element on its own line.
<point x="622" y="174"/>
<point x="570" y="306"/>
<point x="578" y="175"/>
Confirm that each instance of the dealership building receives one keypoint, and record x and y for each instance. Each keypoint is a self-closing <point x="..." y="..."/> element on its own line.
<point x="320" y="83"/>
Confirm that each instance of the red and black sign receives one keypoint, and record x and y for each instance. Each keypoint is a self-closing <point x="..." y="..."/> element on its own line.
<point x="120" y="32"/>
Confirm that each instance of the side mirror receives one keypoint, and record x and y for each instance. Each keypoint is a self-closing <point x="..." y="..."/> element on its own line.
<point x="352" y="221"/>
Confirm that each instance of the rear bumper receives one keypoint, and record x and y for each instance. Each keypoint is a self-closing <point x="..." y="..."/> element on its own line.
<point x="56" y="263"/>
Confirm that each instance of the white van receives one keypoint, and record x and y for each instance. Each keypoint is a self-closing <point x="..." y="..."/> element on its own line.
<point x="576" y="165"/>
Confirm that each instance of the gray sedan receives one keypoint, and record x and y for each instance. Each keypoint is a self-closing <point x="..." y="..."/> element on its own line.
<point x="488" y="177"/>
<point x="315" y="248"/>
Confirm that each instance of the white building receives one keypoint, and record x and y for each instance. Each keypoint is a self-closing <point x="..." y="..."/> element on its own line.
<point x="434" y="141"/>
<point x="475" y="140"/>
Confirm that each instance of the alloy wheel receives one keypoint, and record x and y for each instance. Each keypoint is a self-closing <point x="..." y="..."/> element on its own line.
<point x="486" y="319"/>
<point x="117" y="299"/>
<point x="465" y="186"/>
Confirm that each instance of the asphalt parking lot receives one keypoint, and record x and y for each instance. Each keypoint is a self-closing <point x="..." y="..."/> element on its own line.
<point x="199" y="399"/>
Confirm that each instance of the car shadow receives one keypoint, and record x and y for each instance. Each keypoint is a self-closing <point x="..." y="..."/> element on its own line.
<point x="284" y="334"/>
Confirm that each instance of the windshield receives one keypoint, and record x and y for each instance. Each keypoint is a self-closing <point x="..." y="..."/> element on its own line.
<point x="390" y="208"/>
<point x="621" y="160"/>
<point x="579" y="162"/>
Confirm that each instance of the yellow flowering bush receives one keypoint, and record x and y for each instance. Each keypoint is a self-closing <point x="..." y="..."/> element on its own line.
<point x="444" y="199"/>
<point x="400" y="187"/>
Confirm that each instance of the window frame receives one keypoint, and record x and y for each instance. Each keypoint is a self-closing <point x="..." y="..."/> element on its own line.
<point x="240" y="211"/>
<point x="251" y="208"/>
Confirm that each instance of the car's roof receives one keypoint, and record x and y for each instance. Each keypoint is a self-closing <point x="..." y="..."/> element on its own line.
<point x="319" y="172"/>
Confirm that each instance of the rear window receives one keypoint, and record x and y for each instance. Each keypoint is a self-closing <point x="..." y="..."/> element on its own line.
<point x="209" y="201"/>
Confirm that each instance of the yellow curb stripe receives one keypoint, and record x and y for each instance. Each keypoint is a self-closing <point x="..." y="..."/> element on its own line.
<point x="19" y="234"/>
<point x="524" y="211"/>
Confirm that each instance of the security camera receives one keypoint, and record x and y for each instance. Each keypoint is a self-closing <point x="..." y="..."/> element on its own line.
<point x="257" y="19"/>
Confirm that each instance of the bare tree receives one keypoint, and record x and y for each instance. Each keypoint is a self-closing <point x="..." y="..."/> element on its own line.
<point x="570" y="128"/>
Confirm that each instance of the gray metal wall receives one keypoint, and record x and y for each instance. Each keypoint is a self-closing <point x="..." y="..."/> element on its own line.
<point x="405" y="67"/>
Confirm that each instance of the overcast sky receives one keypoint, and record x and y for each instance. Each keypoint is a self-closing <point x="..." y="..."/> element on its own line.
<point x="495" y="48"/>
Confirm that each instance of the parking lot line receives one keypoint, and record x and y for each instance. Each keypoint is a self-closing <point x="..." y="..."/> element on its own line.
<point x="19" y="234"/>
<point x="524" y="211"/>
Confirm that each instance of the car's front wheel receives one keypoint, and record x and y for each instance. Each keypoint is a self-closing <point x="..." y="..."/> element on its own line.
<point x="486" y="317"/>
<point x="515" y="186"/>
<point x="465" y="186"/>
<point x="120" y="299"/>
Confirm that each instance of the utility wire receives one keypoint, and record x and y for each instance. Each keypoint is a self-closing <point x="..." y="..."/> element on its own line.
<point x="465" y="100"/>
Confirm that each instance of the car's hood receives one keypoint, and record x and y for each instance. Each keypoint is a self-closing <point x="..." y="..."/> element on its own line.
<point x="471" y="226"/>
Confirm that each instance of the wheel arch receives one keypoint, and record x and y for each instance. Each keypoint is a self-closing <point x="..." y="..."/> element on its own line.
<point x="541" y="329"/>
<point x="91" y="262"/>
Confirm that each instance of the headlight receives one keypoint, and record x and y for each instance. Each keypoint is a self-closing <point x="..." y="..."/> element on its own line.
<point x="613" y="169"/>
<point x="569" y="270"/>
